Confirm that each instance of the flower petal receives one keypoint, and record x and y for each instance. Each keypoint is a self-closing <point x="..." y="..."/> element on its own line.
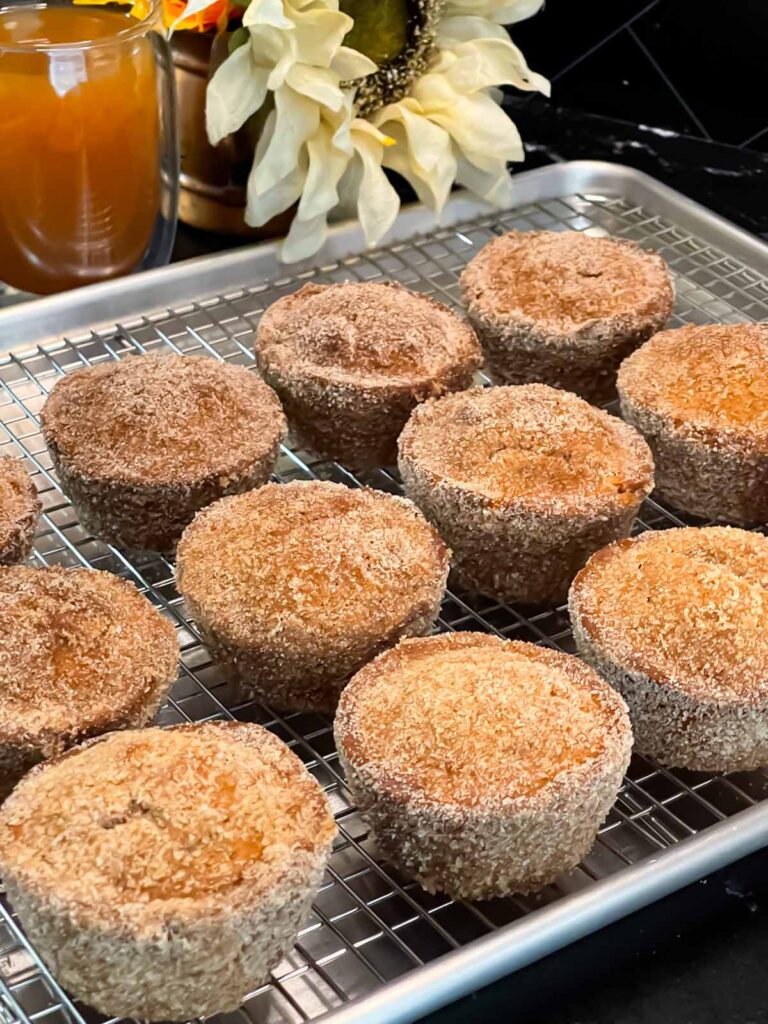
<point x="377" y="201"/>
<point x="316" y="84"/>
<point x="304" y="238"/>
<point x="267" y="12"/>
<point x="481" y="129"/>
<point x="349" y="64"/>
<point x="296" y="120"/>
<point x="327" y="164"/>
<point x="318" y="34"/>
<point x="237" y="90"/>
<point x="494" y="185"/>
<point x="505" y="12"/>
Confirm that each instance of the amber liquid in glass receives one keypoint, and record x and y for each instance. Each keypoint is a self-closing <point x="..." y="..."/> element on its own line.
<point x="79" y="147"/>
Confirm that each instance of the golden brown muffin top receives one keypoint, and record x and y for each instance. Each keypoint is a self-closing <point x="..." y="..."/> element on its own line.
<point x="18" y="496"/>
<point x="529" y="446"/>
<point x="136" y="821"/>
<point x="713" y="377"/>
<point x="466" y="719"/>
<point x="162" y="419"/>
<point x="687" y="608"/>
<point x="567" y="280"/>
<point x="369" y="333"/>
<point x="75" y="646"/>
<point x="310" y="563"/>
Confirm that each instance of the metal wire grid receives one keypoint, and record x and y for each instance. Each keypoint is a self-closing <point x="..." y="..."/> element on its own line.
<point x="368" y="925"/>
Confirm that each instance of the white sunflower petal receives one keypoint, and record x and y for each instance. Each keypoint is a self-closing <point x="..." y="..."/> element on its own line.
<point x="481" y="129"/>
<point x="318" y="35"/>
<point x="495" y="185"/>
<point x="348" y="64"/>
<point x="377" y="200"/>
<point x="316" y="84"/>
<point x="304" y="238"/>
<point x="296" y="121"/>
<point x="237" y="90"/>
<point x="267" y="12"/>
<point x="505" y="12"/>
<point x="327" y="164"/>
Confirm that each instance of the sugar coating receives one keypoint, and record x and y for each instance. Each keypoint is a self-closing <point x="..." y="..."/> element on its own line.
<point x="20" y="510"/>
<point x="700" y="397"/>
<point x="484" y="766"/>
<point x="81" y="652"/>
<point x="161" y="873"/>
<point x="524" y="483"/>
<point x="564" y="308"/>
<point x="676" y="620"/>
<point x="142" y="444"/>
<point x="350" y="361"/>
<point x="297" y="585"/>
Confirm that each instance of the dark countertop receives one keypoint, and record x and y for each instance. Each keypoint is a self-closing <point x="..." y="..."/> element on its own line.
<point x="697" y="957"/>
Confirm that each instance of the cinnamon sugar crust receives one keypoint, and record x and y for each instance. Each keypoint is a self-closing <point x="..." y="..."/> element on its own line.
<point x="699" y="394"/>
<point x="81" y="653"/>
<point x="296" y="585"/>
<point x="20" y="510"/>
<point x="676" y="621"/>
<point x="524" y="483"/>
<point x="351" y="360"/>
<point x="564" y="308"/>
<point x="483" y="766"/>
<point x="142" y="444"/>
<point x="161" y="873"/>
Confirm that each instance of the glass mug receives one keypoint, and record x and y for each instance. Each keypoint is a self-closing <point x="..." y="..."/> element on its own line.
<point x="88" y="152"/>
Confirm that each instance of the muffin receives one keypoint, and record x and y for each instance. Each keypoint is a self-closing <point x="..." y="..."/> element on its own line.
<point x="350" y="361"/>
<point x="81" y="653"/>
<point x="564" y="308"/>
<point x="700" y="397"/>
<point x="161" y="873"/>
<point x="676" y="621"/>
<point x="523" y="483"/>
<point x="19" y="511"/>
<point x="141" y="445"/>
<point x="295" y="586"/>
<point x="483" y="766"/>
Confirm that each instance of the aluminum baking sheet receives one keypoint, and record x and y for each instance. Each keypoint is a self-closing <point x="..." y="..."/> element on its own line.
<point x="377" y="949"/>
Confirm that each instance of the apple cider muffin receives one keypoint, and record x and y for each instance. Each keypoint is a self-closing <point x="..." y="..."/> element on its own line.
<point x="295" y="586"/>
<point x="81" y="653"/>
<point x="20" y="510"/>
<point x="483" y="766"/>
<point x="699" y="395"/>
<point x="141" y="445"/>
<point x="162" y="873"/>
<point x="564" y="308"/>
<point x="524" y="484"/>
<point x="350" y="361"/>
<point x="676" y="621"/>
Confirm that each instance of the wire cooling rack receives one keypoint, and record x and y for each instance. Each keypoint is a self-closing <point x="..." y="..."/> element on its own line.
<point x="369" y="926"/>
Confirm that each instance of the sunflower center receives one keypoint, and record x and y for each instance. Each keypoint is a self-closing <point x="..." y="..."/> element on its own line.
<point x="399" y="36"/>
<point x="380" y="30"/>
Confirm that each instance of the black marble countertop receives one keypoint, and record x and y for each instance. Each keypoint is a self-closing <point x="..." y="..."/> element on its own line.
<point x="699" y="956"/>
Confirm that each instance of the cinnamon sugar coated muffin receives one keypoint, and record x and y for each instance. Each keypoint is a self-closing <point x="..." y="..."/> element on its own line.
<point x="564" y="308"/>
<point x="141" y="445"/>
<point x="523" y="483"/>
<point x="676" y="621"/>
<point x="483" y="766"/>
<point x="295" y="586"/>
<point x="81" y="653"/>
<point x="162" y="873"/>
<point x="700" y="397"/>
<point x="19" y="511"/>
<point x="350" y="361"/>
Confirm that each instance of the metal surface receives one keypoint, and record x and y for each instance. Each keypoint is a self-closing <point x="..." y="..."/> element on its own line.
<point x="378" y="949"/>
